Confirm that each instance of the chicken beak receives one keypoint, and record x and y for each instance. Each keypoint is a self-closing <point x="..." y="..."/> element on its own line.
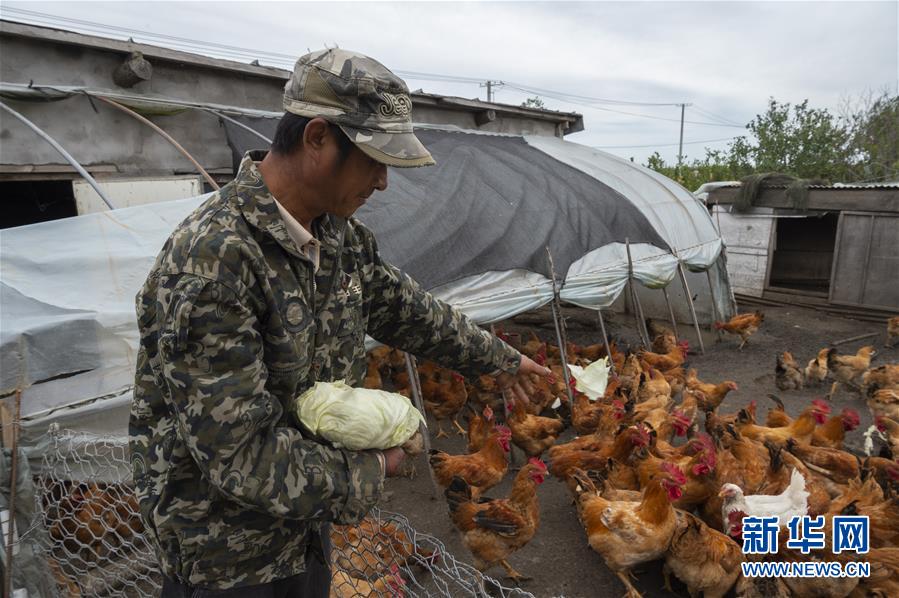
<point x="721" y="494"/>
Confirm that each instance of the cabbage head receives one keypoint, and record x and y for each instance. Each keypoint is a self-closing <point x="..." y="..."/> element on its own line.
<point x="593" y="379"/>
<point x="357" y="418"/>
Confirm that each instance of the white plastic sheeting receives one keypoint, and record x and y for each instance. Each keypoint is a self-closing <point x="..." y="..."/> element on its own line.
<point x="68" y="330"/>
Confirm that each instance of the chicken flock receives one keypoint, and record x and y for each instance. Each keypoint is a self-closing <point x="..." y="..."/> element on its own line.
<point x="657" y="473"/>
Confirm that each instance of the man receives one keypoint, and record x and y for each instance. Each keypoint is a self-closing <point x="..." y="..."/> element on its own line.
<point x="267" y="288"/>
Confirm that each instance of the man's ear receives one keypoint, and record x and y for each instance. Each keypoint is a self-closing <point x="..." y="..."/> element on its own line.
<point x="315" y="136"/>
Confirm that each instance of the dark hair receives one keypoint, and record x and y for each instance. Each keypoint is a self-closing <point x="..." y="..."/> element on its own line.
<point x="289" y="136"/>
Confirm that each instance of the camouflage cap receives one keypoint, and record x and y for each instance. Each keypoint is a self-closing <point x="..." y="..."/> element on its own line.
<point x="362" y="97"/>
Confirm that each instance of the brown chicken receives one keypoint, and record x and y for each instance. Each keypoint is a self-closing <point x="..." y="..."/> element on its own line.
<point x="628" y="533"/>
<point x="588" y="416"/>
<point x="884" y="403"/>
<point x="714" y="393"/>
<point x="816" y="370"/>
<point x="892" y="331"/>
<point x="372" y="375"/>
<point x="831" y="434"/>
<point x="884" y="376"/>
<point x="704" y="559"/>
<point x="787" y="374"/>
<point x="744" y="325"/>
<point x="483" y="469"/>
<point x="593" y="453"/>
<point x="836" y="465"/>
<point x="663" y="361"/>
<point x="801" y="429"/>
<point x="344" y="585"/>
<point x="479" y="427"/>
<point x="847" y="370"/>
<point x="889" y="428"/>
<point x="444" y="399"/>
<point x="532" y="433"/>
<point x="492" y="529"/>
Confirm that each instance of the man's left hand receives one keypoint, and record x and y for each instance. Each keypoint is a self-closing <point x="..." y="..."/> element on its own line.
<point x="520" y="385"/>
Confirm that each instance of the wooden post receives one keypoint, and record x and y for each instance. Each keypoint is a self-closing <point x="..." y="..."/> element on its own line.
<point x="415" y="385"/>
<point x="670" y="310"/>
<point x="638" y="309"/>
<point x="605" y="339"/>
<point x="556" y="308"/>
<point x="708" y="276"/>
<point x="683" y="279"/>
<point x="13" y="474"/>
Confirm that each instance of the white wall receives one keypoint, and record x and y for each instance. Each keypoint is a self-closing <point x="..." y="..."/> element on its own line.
<point x="124" y="193"/>
<point x="748" y="237"/>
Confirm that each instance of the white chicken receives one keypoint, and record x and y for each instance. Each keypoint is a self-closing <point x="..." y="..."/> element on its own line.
<point x="791" y="502"/>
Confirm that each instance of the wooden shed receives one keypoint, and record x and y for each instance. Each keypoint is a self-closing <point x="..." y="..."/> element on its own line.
<point x="842" y="250"/>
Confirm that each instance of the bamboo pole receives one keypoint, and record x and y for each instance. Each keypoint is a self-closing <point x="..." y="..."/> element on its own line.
<point x="715" y="317"/>
<point x="13" y="475"/>
<point x="670" y="310"/>
<point x="638" y="309"/>
<point x="165" y="135"/>
<point x="415" y="385"/>
<point x="43" y="135"/>
<point x="239" y="124"/>
<point x="556" y="308"/>
<point x="683" y="279"/>
<point x="605" y="339"/>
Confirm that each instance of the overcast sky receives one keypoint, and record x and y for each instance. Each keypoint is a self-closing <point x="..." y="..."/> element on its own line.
<point x="725" y="58"/>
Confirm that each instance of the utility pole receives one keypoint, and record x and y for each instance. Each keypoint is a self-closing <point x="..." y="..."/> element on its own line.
<point x="680" y="145"/>
<point x="489" y="85"/>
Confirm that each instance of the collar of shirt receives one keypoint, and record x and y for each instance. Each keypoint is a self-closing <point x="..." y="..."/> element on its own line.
<point x="305" y="242"/>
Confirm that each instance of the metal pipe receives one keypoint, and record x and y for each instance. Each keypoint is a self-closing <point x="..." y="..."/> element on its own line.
<point x="415" y="385"/>
<point x="556" y="308"/>
<point x="87" y="177"/>
<point x="683" y="279"/>
<point x="237" y="123"/>
<point x="605" y="339"/>
<point x="670" y="310"/>
<point x="708" y="275"/>
<point x="13" y="474"/>
<point x="165" y="135"/>
<point x="638" y="309"/>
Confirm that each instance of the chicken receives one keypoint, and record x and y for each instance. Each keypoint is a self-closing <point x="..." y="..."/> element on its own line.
<point x="483" y="469"/>
<point x="532" y="433"/>
<point x="744" y="325"/>
<point x="884" y="376"/>
<point x="592" y="453"/>
<point x="704" y="559"/>
<point x="830" y="434"/>
<point x="663" y="361"/>
<point x="800" y="429"/>
<point x="479" y="429"/>
<point x="791" y="502"/>
<point x="884" y="578"/>
<point x="627" y="533"/>
<point x="714" y="393"/>
<point x="881" y="403"/>
<point x="372" y="375"/>
<point x="344" y="585"/>
<point x="816" y="370"/>
<point x="444" y="399"/>
<point x="589" y="416"/>
<point x="889" y="428"/>
<point x="847" y="370"/>
<point x="492" y="529"/>
<point x="892" y="331"/>
<point x="787" y="374"/>
<point x="761" y="587"/>
<point x="834" y="464"/>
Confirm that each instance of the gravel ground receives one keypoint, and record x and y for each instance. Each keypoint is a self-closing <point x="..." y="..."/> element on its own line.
<point x="558" y="558"/>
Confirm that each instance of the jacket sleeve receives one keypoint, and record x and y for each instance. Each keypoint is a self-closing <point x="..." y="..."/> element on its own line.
<point x="211" y="355"/>
<point x="405" y="316"/>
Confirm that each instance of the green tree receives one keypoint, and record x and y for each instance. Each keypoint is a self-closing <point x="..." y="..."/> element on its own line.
<point x="860" y="144"/>
<point x="534" y="102"/>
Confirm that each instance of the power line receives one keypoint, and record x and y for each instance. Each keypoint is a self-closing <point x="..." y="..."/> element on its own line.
<point x="663" y="144"/>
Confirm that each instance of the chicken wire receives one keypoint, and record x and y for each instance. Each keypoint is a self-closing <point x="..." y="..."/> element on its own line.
<point x="90" y="533"/>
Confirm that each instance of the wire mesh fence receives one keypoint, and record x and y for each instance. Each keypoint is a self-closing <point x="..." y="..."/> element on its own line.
<point x="91" y="537"/>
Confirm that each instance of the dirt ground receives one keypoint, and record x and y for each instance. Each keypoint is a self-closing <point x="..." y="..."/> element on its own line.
<point x="558" y="558"/>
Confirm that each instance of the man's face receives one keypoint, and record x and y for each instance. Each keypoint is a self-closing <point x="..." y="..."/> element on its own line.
<point x="354" y="180"/>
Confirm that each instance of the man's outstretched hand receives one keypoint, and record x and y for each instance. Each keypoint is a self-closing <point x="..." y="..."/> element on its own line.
<point x="520" y="385"/>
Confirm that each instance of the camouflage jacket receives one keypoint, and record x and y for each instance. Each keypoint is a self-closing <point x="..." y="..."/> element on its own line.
<point x="234" y="324"/>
